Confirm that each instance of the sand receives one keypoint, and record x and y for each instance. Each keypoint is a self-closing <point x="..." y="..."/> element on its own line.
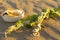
<point x="51" y="30"/>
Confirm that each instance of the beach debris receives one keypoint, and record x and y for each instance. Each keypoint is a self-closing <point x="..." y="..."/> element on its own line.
<point x="34" y="21"/>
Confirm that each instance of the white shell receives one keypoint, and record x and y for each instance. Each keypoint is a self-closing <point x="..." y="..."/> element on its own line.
<point x="15" y="18"/>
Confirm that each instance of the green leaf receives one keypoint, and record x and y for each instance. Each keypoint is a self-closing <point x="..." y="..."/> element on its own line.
<point x="44" y="10"/>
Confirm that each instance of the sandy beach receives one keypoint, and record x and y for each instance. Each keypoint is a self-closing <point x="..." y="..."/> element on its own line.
<point x="51" y="30"/>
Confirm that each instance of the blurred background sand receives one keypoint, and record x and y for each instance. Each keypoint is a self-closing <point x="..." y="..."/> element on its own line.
<point x="51" y="30"/>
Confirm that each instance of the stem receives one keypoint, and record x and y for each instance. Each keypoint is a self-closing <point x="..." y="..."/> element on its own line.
<point x="5" y="35"/>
